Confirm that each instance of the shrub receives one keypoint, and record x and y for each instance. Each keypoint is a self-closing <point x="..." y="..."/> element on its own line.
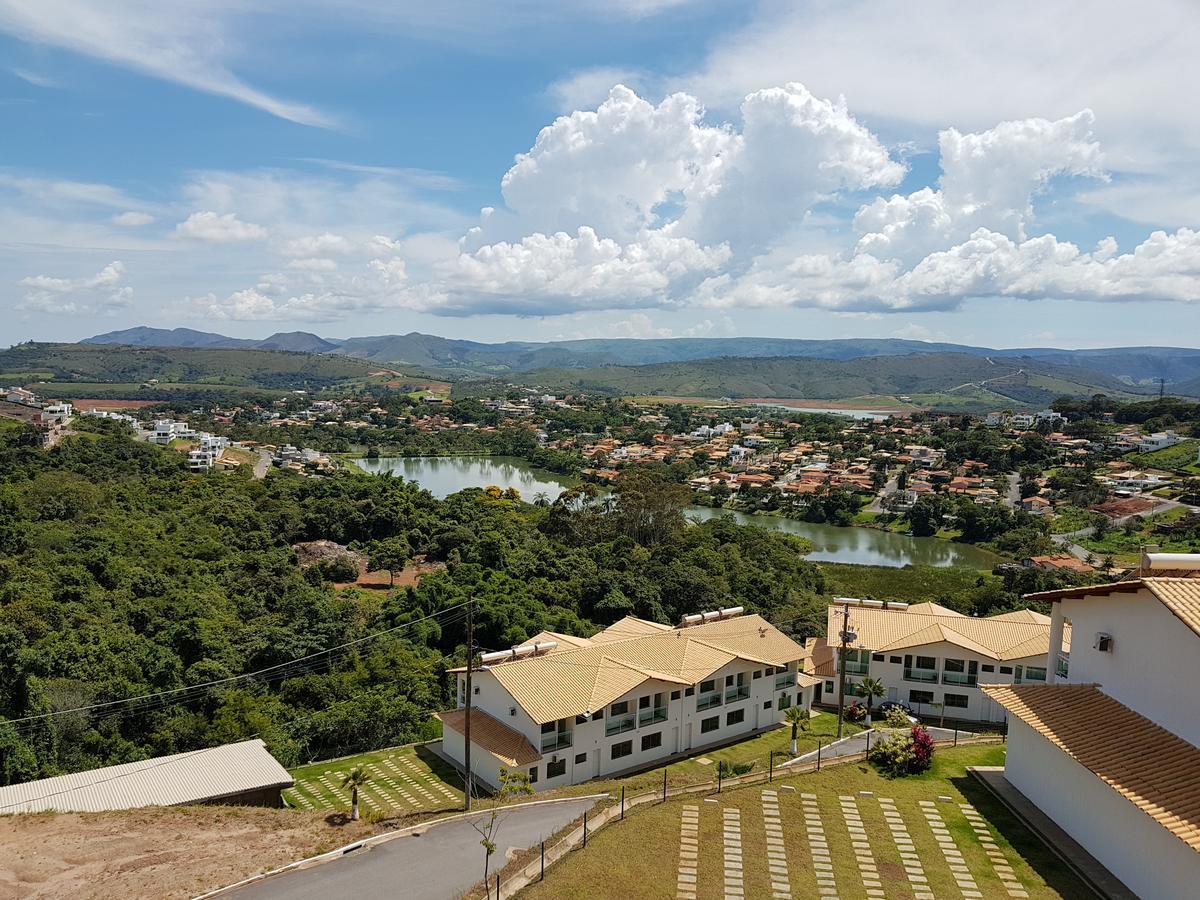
<point x="897" y="718"/>
<point x="903" y="754"/>
<point x="855" y="712"/>
<point x="727" y="769"/>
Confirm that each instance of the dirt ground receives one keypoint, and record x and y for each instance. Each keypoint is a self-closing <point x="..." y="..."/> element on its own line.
<point x="159" y="852"/>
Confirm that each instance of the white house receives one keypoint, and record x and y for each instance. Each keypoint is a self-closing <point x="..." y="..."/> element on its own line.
<point x="167" y="430"/>
<point x="1111" y="751"/>
<point x="565" y="709"/>
<point x="1160" y="440"/>
<point x="20" y="395"/>
<point x="932" y="658"/>
<point x="1021" y="420"/>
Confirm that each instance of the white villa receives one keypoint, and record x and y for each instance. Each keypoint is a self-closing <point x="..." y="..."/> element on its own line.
<point x="932" y="658"/>
<point x="1111" y="751"/>
<point x="565" y="709"/>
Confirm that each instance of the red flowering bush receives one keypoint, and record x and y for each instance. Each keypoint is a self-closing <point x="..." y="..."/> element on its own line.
<point x="903" y="754"/>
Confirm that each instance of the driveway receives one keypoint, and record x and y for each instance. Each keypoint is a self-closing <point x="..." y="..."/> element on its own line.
<point x="1012" y="495"/>
<point x="440" y="863"/>
<point x="262" y="464"/>
<point x="889" y="488"/>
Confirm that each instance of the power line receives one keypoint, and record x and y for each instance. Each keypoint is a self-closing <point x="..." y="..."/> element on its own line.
<point x="232" y="679"/>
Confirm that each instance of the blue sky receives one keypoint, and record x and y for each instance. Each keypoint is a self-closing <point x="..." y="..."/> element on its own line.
<point x="1008" y="177"/>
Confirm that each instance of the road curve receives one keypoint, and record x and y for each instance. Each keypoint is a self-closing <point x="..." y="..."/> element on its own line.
<point x="440" y="863"/>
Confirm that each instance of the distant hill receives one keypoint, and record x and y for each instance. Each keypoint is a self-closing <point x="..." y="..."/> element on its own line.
<point x="126" y="365"/>
<point x="1132" y="366"/>
<point x="945" y="380"/>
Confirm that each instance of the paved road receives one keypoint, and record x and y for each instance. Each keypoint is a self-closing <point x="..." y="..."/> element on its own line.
<point x="858" y="744"/>
<point x="876" y="504"/>
<point x="439" y="864"/>
<point x="1013" y="496"/>
<point x="262" y="464"/>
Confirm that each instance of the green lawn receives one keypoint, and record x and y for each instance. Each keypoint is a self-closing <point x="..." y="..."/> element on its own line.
<point x="403" y="780"/>
<point x="1180" y="458"/>
<point x="912" y="584"/>
<point x="650" y="839"/>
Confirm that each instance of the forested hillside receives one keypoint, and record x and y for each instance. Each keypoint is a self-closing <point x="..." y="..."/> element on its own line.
<point x="123" y="575"/>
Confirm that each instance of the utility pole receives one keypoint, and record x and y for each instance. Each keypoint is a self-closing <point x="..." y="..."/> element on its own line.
<point x="1162" y="387"/>
<point x="467" y="724"/>
<point x="846" y="637"/>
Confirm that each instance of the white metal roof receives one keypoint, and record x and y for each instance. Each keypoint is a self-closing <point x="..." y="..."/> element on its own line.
<point x="192" y="777"/>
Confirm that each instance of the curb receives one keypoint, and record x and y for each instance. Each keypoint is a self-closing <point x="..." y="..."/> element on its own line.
<point x="367" y="843"/>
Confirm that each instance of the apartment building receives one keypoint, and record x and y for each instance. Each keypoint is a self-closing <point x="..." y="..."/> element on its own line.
<point x="930" y="657"/>
<point x="565" y="709"/>
<point x="1109" y="748"/>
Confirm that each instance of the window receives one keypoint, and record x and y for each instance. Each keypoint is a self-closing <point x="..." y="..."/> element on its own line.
<point x="644" y="702"/>
<point x="895" y="660"/>
<point x="957" y="701"/>
<point x="728" y="680"/>
<point x="1006" y="670"/>
<point x="554" y="769"/>
<point x="829" y="687"/>
<point x="767" y="705"/>
<point x="582" y="720"/>
<point x="475" y="689"/>
<point x="689" y="691"/>
<point x="770" y="670"/>
<point x="757" y="674"/>
<point x="580" y="759"/>
<point x="785" y="700"/>
<point x="876" y="657"/>
<point x="1035" y="673"/>
<point x="737" y="717"/>
<point x="619" y="709"/>
<point x="708" y="686"/>
<point x="920" y="696"/>
<point x="926" y="662"/>
<point x="711" y="724"/>
<point x="622" y="749"/>
<point x="674" y="695"/>
<point x="550" y="728"/>
<point x="650" y="741"/>
<point x="988" y="667"/>
<point x="533" y="775"/>
<point x="949" y="665"/>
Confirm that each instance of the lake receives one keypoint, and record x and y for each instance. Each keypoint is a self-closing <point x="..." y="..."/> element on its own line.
<point x="443" y="476"/>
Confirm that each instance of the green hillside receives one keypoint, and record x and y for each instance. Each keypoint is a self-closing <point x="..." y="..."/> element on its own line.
<point x="953" y="380"/>
<point x="113" y="364"/>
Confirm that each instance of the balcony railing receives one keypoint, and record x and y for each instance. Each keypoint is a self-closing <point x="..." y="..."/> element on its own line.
<point x="736" y="693"/>
<point x="929" y="676"/>
<point x="558" y="741"/>
<point x="620" y="724"/>
<point x="857" y="668"/>
<point x="1034" y="675"/>
<point x="650" y="716"/>
<point x="786" y="680"/>
<point x="960" y="678"/>
<point x="708" y="701"/>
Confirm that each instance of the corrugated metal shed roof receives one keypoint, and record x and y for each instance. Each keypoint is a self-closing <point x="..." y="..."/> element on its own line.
<point x="1146" y="764"/>
<point x="192" y="777"/>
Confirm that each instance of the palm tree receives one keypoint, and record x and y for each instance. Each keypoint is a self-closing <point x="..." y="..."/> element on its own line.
<point x="870" y="689"/>
<point x="797" y="717"/>
<point x="354" y="779"/>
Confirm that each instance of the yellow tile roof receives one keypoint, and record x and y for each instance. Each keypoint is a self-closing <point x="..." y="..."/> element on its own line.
<point x="1180" y="595"/>
<point x="506" y="744"/>
<point x="572" y="682"/>
<point x="1112" y="741"/>
<point x="933" y="609"/>
<point x="628" y="627"/>
<point x="1010" y="636"/>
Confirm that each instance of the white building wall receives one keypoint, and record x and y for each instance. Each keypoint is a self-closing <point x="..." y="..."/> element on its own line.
<point x="891" y="671"/>
<point x="1107" y="825"/>
<point x="590" y="754"/>
<point x="1151" y="650"/>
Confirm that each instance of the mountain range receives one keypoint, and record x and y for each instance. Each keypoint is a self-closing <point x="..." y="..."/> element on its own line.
<point x="1138" y="368"/>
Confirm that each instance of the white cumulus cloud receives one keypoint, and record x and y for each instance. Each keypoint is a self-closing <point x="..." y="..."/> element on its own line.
<point x="215" y="228"/>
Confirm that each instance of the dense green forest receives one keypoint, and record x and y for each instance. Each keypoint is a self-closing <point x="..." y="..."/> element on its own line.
<point x="122" y="575"/>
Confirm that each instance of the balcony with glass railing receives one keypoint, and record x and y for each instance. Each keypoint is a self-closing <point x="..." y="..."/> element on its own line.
<point x="650" y="716"/>
<point x="927" y="676"/>
<point x="960" y="678"/>
<point x="785" y="680"/>
<point x="1037" y="676"/>
<point x="708" y="701"/>
<point x="620" y="724"/>
<point x="857" y="668"/>
<point x="736" y="693"/>
<point x="558" y="741"/>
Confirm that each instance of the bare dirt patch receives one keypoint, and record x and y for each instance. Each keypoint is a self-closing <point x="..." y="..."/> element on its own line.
<point x="157" y="852"/>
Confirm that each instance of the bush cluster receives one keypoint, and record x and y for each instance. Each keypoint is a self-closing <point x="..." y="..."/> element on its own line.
<point x="903" y="754"/>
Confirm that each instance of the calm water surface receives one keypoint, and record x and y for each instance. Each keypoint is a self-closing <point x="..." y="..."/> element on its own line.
<point x="443" y="476"/>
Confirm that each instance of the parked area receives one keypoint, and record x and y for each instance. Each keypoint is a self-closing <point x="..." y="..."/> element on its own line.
<point x="845" y="831"/>
<point x="402" y="780"/>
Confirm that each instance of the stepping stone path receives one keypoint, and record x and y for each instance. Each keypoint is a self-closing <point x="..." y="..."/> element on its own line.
<point x="689" y="845"/>
<point x="862" y="847"/>
<point x="781" y="888"/>
<point x="908" y="852"/>
<point x="819" y="848"/>
<point x="734" y="887"/>
<point x="954" y="858"/>
<point x="999" y="861"/>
